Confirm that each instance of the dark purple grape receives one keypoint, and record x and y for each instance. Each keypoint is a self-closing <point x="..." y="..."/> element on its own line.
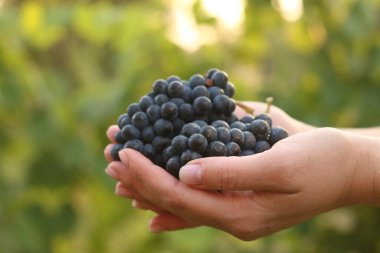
<point x="159" y="143"/>
<point x="161" y="99"/>
<point x="169" y="111"/>
<point x="178" y="124"/>
<point x="200" y="123"/>
<point x="277" y="134"/>
<point x="173" y="166"/>
<point x="231" y="107"/>
<point x="168" y="153"/>
<point x="163" y="127"/>
<point x="210" y="72"/>
<point x="189" y="155"/>
<point x="198" y="143"/>
<point x="175" y="89"/>
<point x="132" y="109"/>
<point x="149" y="151"/>
<point x="119" y="138"/>
<point x="209" y="132"/>
<point x="249" y="140"/>
<point x="199" y="91"/>
<point x="123" y="120"/>
<point x="177" y="101"/>
<point x="153" y="113"/>
<point x="261" y="146"/>
<point x="160" y="86"/>
<point x="197" y="80"/>
<point x="180" y="143"/>
<point x="147" y="134"/>
<point x="231" y="118"/>
<point x="260" y="129"/>
<point x="190" y="129"/>
<point x="247" y="119"/>
<point x="233" y="149"/>
<point x="216" y="148"/>
<point x="173" y="78"/>
<point x="115" y="151"/>
<point x="247" y="152"/>
<point x="140" y="120"/>
<point x="266" y="117"/>
<point x="186" y="112"/>
<point x="130" y="132"/>
<point x="223" y="134"/>
<point x="202" y="105"/>
<point x="230" y="89"/>
<point x="220" y="123"/>
<point x="238" y="125"/>
<point x="215" y="91"/>
<point x="145" y="102"/>
<point x="220" y="79"/>
<point x="221" y="103"/>
<point x="237" y="136"/>
<point x="135" y="144"/>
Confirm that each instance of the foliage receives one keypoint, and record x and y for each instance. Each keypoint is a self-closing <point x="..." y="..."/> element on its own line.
<point x="68" y="69"/>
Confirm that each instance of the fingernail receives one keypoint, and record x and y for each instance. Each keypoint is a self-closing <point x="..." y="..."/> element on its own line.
<point x="156" y="229"/>
<point x="123" y="157"/>
<point x="112" y="172"/>
<point x="122" y="191"/>
<point x="190" y="174"/>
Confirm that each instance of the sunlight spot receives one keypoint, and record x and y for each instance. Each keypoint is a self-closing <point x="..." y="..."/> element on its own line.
<point x="291" y="10"/>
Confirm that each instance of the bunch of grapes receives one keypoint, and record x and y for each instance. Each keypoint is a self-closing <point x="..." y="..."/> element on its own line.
<point x="180" y="120"/>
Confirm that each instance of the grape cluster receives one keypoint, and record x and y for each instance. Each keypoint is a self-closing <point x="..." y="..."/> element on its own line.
<point x="182" y="120"/>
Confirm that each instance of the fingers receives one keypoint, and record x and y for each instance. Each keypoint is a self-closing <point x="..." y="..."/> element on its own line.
<point x="163" y="190"/>
<point x="111" y="131"/>
<point x="261" y="172"/>
<point x="169" y="222"/>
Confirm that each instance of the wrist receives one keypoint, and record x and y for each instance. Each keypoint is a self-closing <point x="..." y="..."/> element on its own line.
<point x="366" y="171"/>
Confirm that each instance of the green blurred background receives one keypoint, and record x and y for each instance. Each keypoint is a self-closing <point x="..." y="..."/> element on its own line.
<point x="69" y="68"/>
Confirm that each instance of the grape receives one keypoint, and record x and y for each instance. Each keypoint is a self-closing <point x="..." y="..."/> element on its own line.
<point x="177" y="101"/>
<point x="247" y="119"/>
<point x="140" y="120"/>
<point x="173" y="166"/>
<point x="260" y="128"/>
<point x="115" y="151"/>
<point x="147" y="134"/>
<point x="249" y="140"/>
<point x="159" y="143"/>
<point x="186" y="112"/>
<point x="215" y="91"/>
<point x="123" y="120"/>
<point x="169" y="111"/>
<point x="277" y="134"/>
<point x="266" y="117"/>
<point x="223" y="134"/>
<point x="130" y="132"/>
<point x="189" y="155"/>
<point x="199" y="91"/>
<point x="160" y="86"/>
<point x="163" y="127"/>
<point x="187" y="94"/>
<point x="161" y="99"/>
<point x="233" y="149"/>
<point x="190" y="129"/>
<point x="153" y="113"/>
<point x="149" y="151"/>
<point x="261" y="146"/>
<point x="132" y="109"/>
<point x="230" y="89"/>
<point x="220" y="123"/>
<point x="200" y="123"/>
<point x="238" y="125"/>
<point x="221" y="103"/>
<point x="119" y="138"/>
<point x="135" y="144"/>
<point x="168" y="153"/>
<point x="202" y="105"/>
<point x="173" y="78"/>
<point x="237" y="136"/>
<point x="220" y="79"/>
<point x="210" y="72"/>
<point x="198" y="143"/>
<point x="196" y="80"/>
<point x="175" y="89"/>
<point x="180" y="143"/>
<point x="216" y="148"/>
<point x="209" y="132"/>
<point x="145" y="102"/>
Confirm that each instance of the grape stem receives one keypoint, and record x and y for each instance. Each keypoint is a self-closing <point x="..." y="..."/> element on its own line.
<point x="245" y="107"/>
<point x="269" y="103"/>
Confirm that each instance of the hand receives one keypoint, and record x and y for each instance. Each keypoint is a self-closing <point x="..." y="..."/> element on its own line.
<point x="300" y="177"/>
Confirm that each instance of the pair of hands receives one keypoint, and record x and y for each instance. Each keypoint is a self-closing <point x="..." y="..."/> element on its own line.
<point x="310" y="172"/>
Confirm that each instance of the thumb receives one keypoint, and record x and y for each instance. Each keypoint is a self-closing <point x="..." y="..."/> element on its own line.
<point x="260" y="172"/>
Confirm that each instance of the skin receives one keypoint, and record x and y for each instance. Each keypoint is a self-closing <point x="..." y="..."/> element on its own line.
<point x="312" y="171"/>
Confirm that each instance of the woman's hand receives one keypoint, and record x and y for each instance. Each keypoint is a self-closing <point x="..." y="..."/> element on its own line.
<point x="249" y="197"/>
